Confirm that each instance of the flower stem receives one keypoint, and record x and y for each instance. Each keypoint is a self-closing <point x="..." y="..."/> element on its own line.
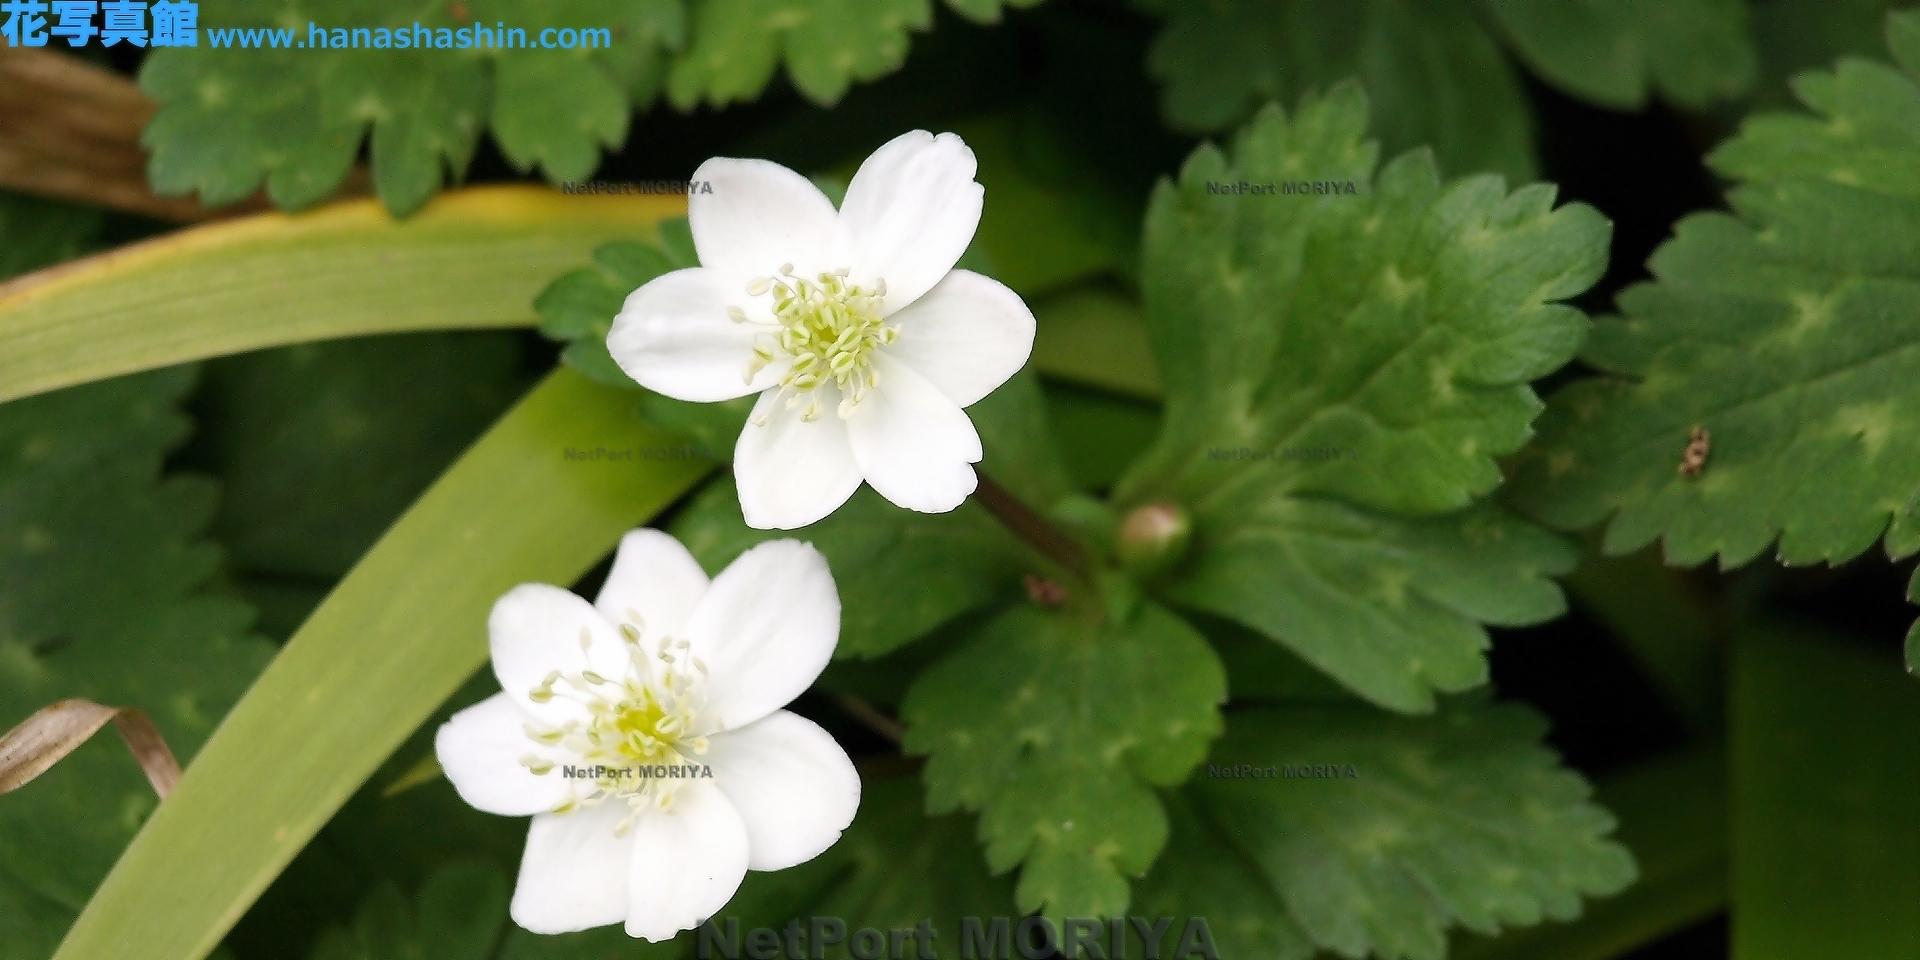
<point x="1031" y="526"/>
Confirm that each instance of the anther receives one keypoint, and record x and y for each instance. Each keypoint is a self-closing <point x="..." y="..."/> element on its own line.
<point x="759" y="285"/>
<point x="737" y="315"/>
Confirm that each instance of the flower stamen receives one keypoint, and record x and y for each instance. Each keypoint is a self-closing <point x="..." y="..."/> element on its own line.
<point x="828" y="331"/>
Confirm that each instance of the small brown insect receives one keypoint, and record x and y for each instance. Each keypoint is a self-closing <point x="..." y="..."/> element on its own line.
<point x="457" y="10"/>
<point x="1045" y="592"/>
<point x="1694" y="460"/>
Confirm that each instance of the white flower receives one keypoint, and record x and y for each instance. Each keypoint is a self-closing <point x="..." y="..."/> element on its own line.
<point x="674" y="686"/>
<point x="862" y="340"/>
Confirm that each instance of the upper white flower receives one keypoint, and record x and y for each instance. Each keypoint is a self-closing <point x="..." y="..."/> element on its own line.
<point x="862" y="340"/>
<point x="664" y="673"/>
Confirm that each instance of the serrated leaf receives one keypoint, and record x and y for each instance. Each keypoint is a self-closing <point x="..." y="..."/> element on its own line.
<point x="99" y="598"/>
<point x="827" y="45"/>
<point x="1459" y="818"/>
<point x="1206" y="875"/>
<point x="1788" y="331"/>
<point x="579" y="306"/>
<point x="1615" y="52"/>
<point x="426" y="110"/>
<point x="1793" y="36"/>
<point x="565" y="144"/>
<point x="1056" y="726"/>
<point x="1333" y="359"/>
<point x="295" y="118"/>
<point x="1437" y="78"/>
<point x="901" y="573"/>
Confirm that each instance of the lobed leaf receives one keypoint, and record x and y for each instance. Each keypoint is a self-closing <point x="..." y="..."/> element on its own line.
<point x="1435" y="75"/>
<point x="1056" y="726"/>
<point x="101" y="597"/>
<point x="1787" y="330"/>
<point x="292" y="118"/>
<point x="1616" y="52"/>
<point x="1338" y="364"/>
<point x="1458" y="818"/>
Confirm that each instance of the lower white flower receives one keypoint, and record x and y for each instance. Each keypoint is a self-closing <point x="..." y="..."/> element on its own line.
<point x="862" y="340"/>
<point x="644" y="735"/>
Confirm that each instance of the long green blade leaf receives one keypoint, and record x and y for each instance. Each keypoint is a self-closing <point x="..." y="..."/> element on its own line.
<point x="398" y="636"/>
<point x="474" y="258"/>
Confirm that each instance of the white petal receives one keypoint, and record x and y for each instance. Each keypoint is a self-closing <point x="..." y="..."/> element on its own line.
<point x="966" y="336"/>
<point x="913" y="444"/>
<point x="792" y="473"/>
<point x="794" y="787"/>
<point x="536" y="629"/>
<point x="909" y="214"/>
<point x="759" y="216"/>
<point x="574" y="873"/>
<point x="480" y="749"/>
<point x="687" y="862"/>
<point x="765" y="630"/>
<point x="653" y="575"/>
<point x="673" y="336"/>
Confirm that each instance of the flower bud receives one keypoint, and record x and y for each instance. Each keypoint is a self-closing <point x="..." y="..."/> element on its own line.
<point x="1153" y="537"/>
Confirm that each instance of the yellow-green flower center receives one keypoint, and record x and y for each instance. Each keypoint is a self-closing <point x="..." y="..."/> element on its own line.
<point x="828" y="332"/>
<point x="638" y="733"/>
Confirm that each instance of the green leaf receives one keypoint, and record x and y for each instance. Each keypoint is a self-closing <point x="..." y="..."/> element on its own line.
<point x="371" y="422"/>
<point x="578" y="308"/>
<point x="231" y="119"/>
<point x="1788" y="330"/>
<point x="1331" y="360"/>
<point x="1614" y="52"/>
<point x="898" y="868"/>
<point x="1095" y="337"/>
<point x="827" y="45"/>
<point x="1438" y="79"/>
<point x="39" y="232"/>
<point x="457" y="916"/>
<point x="1793" y="36"/>
<point x="1823" y="764"/>
<point x="1207" y="875"/>
<point x="512" y="510"/>
<point x="1057" y="726"/>
<point x="1673" y="817"/>
<point x="901" y="573"/>
<point x="1459" y="818"/>
<point x="100" y="597"/>
<point x="475" y="258"/>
